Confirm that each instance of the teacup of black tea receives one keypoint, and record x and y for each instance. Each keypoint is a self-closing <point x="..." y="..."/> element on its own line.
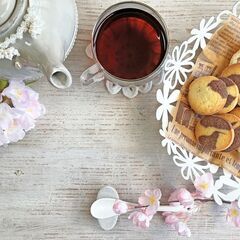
<point x="129" y="44"/>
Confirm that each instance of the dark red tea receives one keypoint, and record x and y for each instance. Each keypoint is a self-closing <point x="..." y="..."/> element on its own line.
<point x="130" y="44"/>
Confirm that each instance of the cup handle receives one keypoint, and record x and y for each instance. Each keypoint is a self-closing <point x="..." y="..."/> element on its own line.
<point x="92" y="75"/>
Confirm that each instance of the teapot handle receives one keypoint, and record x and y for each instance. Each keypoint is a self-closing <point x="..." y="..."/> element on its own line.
<point x="92" y="75"/>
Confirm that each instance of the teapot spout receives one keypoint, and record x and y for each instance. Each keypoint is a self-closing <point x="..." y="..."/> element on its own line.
<point x="48" y="60"/>
<point x="59" y="76"/>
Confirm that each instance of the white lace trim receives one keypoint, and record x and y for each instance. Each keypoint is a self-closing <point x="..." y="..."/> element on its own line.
<point x="31" y="24"/>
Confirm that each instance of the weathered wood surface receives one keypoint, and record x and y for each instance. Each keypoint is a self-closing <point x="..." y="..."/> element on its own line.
<point x="89" y="139"/>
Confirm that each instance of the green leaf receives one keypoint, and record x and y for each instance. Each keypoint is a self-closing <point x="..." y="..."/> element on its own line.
<point x="3" y="84"/>
<point x="29" y="83"/>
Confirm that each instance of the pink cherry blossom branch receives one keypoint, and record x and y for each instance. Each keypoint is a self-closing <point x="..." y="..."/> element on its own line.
<point x="182" y="205"/>
<point x="206" y="200"/>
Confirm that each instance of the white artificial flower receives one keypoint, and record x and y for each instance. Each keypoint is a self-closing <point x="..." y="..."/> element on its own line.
<point x="167" y="100"/>
<point x="179" y="65"/>
<point x="167" y="142"/>
<point x="203" y="33"/>
<point x="191" y="166"/>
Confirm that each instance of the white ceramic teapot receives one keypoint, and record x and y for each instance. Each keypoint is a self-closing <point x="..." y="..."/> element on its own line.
<point x="35" y="38"/>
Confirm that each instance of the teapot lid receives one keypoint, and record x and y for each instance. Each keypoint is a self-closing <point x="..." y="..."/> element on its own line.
<point x="6" y="10"/>
<point x="11" y="11"/>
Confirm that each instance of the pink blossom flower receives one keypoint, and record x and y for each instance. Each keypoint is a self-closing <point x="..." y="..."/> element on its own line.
<point x="120" y="207"/>
<point x="24" y="99"/>
<point x="204" y="185"/>
<point x="15" y="131"/>
<point x="151" y="199"/>
<point x="3" y="138"/>
<point x="233" y="214"/>
<point x="182" y="229"/>
<point x="19" y="93"/>
<point x="177" y="222"/>
<point x="171" y="219"/>
<point x="27" y="122"/>
<point x="6" y="116"/>
<point x="33" y="108"/>
<point x="140" y="219"/>
<point x="183" y="196"/>
<point x="17" y="120"/>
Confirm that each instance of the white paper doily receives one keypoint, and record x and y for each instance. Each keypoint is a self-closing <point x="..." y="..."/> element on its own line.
<point x="227" y="186"/>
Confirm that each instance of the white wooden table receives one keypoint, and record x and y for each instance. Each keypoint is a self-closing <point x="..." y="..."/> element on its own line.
<point x="89" y="139"/>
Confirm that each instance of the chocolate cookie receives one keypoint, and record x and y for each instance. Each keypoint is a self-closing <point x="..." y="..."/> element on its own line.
<point x="233" y="95"/>
<point x="214" y="133"/>
<point x="236" y="58"/>
<point x="236" y="112"/>
<point x="235" y="122"/>
<point x="207" y="95"/>
<point x="233" y="72"/>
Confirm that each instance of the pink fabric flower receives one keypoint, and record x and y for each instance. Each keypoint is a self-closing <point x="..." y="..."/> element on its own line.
<point x="182" y="229"/>
<point x="177" y="222"/>
<point x="204" y="185"/>
<point x="11" y="129"/>
<point x="233" y="214"/>
<point x="171" y="219"/>
<point x="17" y="120"/>
<point x="27" y="122"/>
<point x="6" y="116"/>
<point x="120" y="207"/>
<point x="3" y="138"/>
<point x="19" y="93"/>
<point x="140" y="219"/>
<point x="15" y="131"/>
<point x="24" y="99"/>
<point x="151" y="200"/>
<point x="183" y="196"/>
<point x="33" y="108"/>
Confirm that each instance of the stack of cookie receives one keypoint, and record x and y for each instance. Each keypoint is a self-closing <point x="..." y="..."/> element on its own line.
<point x="216" y="100"/>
